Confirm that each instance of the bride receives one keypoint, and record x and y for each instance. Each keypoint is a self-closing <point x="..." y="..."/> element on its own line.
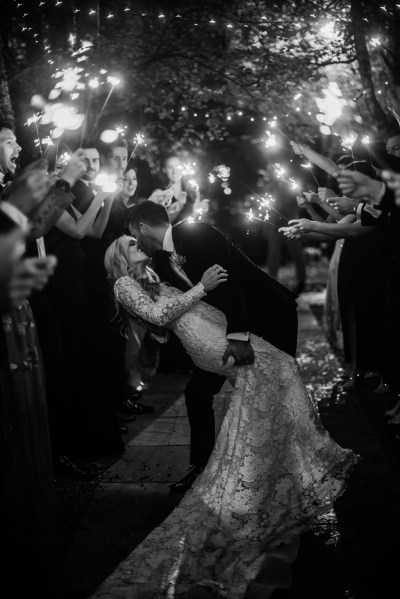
<point x="273" y="470"/>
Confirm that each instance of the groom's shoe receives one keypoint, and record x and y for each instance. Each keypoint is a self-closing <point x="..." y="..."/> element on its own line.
<point x="186" y="482"/>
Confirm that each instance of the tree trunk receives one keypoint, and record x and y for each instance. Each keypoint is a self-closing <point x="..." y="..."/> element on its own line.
<point x="6" y="111"/>
<point x="377" y="116"/>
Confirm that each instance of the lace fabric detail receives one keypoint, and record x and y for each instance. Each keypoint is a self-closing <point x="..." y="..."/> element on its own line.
<point x="162" y="312"/>
<point x="273" y="470"/>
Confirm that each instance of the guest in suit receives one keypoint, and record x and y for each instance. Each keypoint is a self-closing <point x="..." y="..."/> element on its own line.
<point x="114" y="158"/>
<point x="181" y="254"/>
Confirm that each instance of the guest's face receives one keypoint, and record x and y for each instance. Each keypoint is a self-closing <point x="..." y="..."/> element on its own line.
<point x="130" y="183"/>
<point x="135" y="256"/>
<point x="9" y="152"/>
<point x="146" y="237"/>
<point x="118" y="160"/>
<point x="393" y="145"/>
<point x="92" y="160"/>
<point x="173" y="169"/>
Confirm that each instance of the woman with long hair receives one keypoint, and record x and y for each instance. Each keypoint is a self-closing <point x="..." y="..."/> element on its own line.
<point x="273" y="469"/>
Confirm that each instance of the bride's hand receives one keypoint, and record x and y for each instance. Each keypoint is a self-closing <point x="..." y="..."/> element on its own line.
<point x="213" y="276"/>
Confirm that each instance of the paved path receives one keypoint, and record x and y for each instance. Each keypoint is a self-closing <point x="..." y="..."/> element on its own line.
<point x="352" y="553"/>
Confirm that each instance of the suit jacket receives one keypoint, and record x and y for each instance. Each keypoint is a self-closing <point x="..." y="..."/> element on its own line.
<point x="250" y="299"/>
<point x="83" y="196"/>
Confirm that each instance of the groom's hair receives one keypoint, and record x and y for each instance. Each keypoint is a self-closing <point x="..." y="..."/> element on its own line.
<point x="150" y="213"/>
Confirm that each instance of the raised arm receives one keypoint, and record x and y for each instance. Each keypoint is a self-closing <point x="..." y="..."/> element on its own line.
<point x="81" y="227"/>
<point x="161" y="312"/>
<point x="101" y="220"/>
<point x="46" y="214"/>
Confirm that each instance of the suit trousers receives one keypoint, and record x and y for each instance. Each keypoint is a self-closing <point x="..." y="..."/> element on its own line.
<point x="199" y="396"/>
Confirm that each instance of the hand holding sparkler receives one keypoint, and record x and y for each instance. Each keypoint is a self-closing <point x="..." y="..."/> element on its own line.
<point x="302" y="226"/>
<point x="29" y="188"/>
<point x="393" y="182"/>
<point x="324" y="193"/>
<point x="307" y="199"/>
<point x="161" y="196"/>
<point x="290" y="232"/>
<point x="359" y="186"/>
<point x="75" y="167"/>
<point x="343" y="205"/>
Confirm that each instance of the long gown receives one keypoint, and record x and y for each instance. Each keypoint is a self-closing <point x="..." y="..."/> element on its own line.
<point x="332" y="322"/>
<point x="273" y="470"/>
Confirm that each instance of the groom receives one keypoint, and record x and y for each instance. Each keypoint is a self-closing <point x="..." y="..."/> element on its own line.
<point x="250" y="299"/>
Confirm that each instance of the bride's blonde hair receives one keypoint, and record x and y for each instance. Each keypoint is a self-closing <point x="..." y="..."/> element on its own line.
<point x="118" y="265"/>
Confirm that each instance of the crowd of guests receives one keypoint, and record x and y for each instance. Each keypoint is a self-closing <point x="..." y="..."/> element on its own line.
<point x="361" y="212"/>
<point x="69" y="380"/>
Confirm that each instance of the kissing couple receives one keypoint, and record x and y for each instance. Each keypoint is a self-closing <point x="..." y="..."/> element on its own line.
<point x="273" y="468"/>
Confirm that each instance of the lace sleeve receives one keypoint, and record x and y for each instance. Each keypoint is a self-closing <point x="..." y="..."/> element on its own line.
<point x="160" y="312"/>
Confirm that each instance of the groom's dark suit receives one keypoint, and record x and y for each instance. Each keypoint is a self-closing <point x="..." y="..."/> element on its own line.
<point x="251" y="301"/>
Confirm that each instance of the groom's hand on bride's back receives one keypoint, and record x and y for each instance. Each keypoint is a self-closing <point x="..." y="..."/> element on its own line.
<point x="241" y="351"/>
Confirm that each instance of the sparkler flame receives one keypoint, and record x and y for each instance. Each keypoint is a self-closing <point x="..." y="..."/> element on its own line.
<point x="113" y="80"/>
<point x="271" y="141"/>
<point x="138" y="139"/>
<point x="349" y="140"/>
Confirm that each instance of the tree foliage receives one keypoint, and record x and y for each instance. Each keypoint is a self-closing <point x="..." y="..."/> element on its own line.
<point x="190" y="69"/>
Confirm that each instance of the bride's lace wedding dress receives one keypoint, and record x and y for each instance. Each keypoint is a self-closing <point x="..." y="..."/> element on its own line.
<point x="273" y="470"/>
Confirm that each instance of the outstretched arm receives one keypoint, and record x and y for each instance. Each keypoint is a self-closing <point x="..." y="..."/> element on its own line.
<point x="347" y="228"/>
<point x="161" y="312"/>
<point x="324" y="163"/>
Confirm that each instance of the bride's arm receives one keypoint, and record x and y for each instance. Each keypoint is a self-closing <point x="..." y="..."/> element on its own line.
<point x="160" y="312"/>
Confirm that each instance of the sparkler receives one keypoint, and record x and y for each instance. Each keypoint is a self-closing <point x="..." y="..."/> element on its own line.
<point x="348" y="141"/>
<point x="64" y="158"/>
<point x="32" y="120"/>
<point x="264" y="206"/>
<point x="271" y="141"/>
<point x="308" y="166"/>
<point x="139" y="140"/>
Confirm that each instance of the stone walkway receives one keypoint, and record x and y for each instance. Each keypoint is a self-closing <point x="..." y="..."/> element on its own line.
<point x="352" y="553"/>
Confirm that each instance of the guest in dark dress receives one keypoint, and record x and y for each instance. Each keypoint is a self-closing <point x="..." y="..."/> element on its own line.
<point x="82" y="415"/>
<point x="141" y="352"/>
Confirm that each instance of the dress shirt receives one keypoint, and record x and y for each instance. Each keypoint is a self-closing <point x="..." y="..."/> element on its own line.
<point x="168" y="246"/>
